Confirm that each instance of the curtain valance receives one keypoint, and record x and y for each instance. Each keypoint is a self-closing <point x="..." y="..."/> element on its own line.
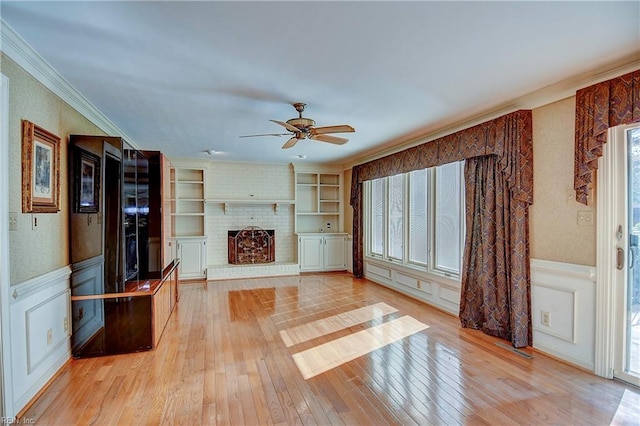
<point x="509" y="137"/>
<point x="599" y="107"/>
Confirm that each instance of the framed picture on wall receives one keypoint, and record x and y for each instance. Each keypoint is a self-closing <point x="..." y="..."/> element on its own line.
<point x="40" y="170"/>
<point x="86" y="170"/>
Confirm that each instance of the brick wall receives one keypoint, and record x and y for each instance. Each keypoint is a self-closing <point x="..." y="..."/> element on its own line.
<point x="241" y="180"/>
<point x="235" y="181"/>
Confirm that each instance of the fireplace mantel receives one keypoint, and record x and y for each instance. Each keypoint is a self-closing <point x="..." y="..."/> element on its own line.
<point x="251" y="202"/>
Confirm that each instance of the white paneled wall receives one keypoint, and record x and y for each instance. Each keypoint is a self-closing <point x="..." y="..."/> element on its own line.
<point x="442" y="292"/>
<point x="40" y="332"/>
<point x="567" y="293"/>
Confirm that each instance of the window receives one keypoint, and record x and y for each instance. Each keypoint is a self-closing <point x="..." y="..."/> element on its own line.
<point x="448" y="217"/>
<point x="376" y="208"/>
<point x="418" y="235"/>
<point x="395" y="216"/>
<point x="417" y="218"/>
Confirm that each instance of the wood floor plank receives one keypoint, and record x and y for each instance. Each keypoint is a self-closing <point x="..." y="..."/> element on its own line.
<point x="222" y="360"/>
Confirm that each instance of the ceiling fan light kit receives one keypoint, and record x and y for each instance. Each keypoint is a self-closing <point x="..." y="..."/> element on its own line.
<point x="304" y="128"/>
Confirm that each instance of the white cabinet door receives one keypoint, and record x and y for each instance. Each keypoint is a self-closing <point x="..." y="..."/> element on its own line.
<point x="334" y="253"/>
<point x="193" y="254"/>
<point x="310" y="253"/>
<point x="322" y="252"/>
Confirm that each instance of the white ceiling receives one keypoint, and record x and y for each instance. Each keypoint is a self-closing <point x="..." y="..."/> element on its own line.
<point x="185" y="77"/>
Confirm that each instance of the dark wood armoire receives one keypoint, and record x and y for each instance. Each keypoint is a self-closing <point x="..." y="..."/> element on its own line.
<point x="124" y="279"/>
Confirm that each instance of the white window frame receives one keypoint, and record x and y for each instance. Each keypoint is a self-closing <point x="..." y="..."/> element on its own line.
<point x="387" y="218"/>
<point x="431" y="203"/>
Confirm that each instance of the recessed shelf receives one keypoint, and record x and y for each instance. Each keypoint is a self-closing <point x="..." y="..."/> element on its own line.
<point x="188" y="201"/>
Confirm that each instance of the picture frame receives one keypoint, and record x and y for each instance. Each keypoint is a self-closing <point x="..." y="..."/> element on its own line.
<point x="40" y="170"/>
<point x="86" y="178"/>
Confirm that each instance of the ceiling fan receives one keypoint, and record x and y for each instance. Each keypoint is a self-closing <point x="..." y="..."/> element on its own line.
<point x="302" y="127"/>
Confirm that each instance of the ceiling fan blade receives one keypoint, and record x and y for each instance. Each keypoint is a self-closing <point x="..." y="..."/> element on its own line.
<point x="265" y="134"/>
<point x="331" y="139"/>
<point x="291" y="142"/>
<point x="287" y="126"/>
<point x="343" y="128"/>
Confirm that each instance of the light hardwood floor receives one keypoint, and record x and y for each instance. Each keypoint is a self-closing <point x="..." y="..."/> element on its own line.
<point x="226" y="357"/>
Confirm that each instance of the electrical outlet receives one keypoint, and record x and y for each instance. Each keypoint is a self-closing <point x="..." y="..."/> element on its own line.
<point x="13" y="221"/>
<point x="66" y="323"/>
<point x="545" y="318"/>
<point x="49" y="337"/>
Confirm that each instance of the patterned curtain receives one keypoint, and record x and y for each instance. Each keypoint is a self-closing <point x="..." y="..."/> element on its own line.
<point x="495" y="276"/>
<point x="508" y="140"/>
<point x="599" y="107"/>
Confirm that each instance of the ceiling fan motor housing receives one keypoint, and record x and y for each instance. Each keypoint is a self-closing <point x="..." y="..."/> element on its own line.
<point x="302" y="123"/>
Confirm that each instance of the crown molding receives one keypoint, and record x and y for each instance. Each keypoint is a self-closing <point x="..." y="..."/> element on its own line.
<point x="16" y="48"/>
<point x="544" y="96"/>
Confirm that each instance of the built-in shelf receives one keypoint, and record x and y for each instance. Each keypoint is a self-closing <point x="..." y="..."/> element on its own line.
<point x="228" y="203"/>
<point x="319" y="200"/>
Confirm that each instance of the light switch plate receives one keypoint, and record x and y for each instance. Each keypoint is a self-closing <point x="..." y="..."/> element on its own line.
<point x="13" y="221"/>
<point x="585" y="218"/>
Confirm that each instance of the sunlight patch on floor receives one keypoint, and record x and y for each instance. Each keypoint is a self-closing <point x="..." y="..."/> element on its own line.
<point x="324" y="326"/>
<point x="326" y="356"/>
<point x="628" y="412"/>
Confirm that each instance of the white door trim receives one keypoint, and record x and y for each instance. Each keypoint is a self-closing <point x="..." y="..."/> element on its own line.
<point x="6" y="380"/>
<point x="611" y="203"/>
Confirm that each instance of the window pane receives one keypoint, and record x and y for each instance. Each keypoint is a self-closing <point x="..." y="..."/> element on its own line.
<point x="377" y="217"/>
<point x="418" y="241"/>
<point x="447" y="212"/>
<point x="396" y="205"/>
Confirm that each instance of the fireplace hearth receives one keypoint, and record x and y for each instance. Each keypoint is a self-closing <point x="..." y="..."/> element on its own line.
<point x="251" y="245"/>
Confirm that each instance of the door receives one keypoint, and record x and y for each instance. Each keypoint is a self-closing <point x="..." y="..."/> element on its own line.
<point x="334" y="252"/>
<point x="627" y="285"/>
<point x="310" y="253"/>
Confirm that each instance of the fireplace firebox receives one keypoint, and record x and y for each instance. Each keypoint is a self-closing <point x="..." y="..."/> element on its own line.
<point x="252" y="245"/>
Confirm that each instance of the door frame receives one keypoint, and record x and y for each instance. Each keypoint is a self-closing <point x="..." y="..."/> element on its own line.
<point x="611" y="202"/>
<point x="6" y="379"/>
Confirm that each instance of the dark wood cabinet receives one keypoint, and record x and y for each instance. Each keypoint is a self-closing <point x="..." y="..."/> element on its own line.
<point x="120" y="250"/>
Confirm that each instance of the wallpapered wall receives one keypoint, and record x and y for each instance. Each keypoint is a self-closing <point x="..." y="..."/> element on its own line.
<point x="34" y="252"/>
<point x="555" y="234"/>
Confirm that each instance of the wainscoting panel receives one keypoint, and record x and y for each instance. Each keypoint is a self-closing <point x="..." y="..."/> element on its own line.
<point x="565" y="295"/>
<point x="438" y="291"/>
<point x="40" y="332"/>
